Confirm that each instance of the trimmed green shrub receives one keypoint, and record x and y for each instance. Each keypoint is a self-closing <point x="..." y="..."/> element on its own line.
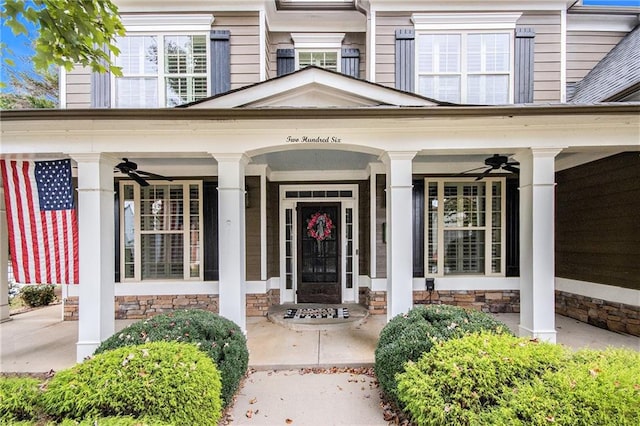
<point x="115" y="421"/>
<point x="219" y="337"/>
<point x="19" y="399"/>
<point x="173" y="382"/>
<point x="38" y="295"/>
<point x="593" y="388"/>
<point x="458" y="379"/>
<point x="406" y="337"/>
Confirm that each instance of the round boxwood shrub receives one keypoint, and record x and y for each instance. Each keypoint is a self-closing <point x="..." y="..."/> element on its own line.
<point x="19" y="399"/>
<point x="38" y="295"/>
<point x="593" y="388"/>
<point x="219" y="337"/>
<point x="173" y="382"/>
<point x="406" y="337"/>
<point x="459" y="378"/>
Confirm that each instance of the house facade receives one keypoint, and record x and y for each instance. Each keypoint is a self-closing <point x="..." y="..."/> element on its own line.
<point x="270" y="152"/>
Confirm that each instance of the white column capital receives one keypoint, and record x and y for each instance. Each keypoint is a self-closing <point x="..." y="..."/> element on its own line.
<point x="389" y="156"/>
<point x="94" y="157"/>
<point x="547" y="152"/>
<point x="241" y="158"/>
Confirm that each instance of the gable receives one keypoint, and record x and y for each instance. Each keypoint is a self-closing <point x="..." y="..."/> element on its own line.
<point x="313" y="87"/>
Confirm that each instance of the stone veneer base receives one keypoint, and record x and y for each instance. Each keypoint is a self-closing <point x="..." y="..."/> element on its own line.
<point x="618" y="317"/>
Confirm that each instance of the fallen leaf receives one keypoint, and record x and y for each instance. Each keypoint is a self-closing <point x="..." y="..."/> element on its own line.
<point x="288" y="421"/>
<point x="249" y="414"/>
<point x="253" y="401"/>
<point x="339" y="388"/>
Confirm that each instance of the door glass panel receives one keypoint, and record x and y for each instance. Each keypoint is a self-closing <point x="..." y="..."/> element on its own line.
<point x="349" y="253"/>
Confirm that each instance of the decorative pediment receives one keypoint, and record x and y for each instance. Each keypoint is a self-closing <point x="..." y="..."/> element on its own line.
<point x="313" y="87"/>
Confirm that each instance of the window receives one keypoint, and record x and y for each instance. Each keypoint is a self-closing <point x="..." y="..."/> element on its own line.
<point x="319" y="49"/>
<point x="473" y="68"/>
<point x="465" y="57"/>
<point x="161" y="231"/>
<point x="161" y="70"/>
<point x="465" y="227"/>
<point x="323" y="59"/>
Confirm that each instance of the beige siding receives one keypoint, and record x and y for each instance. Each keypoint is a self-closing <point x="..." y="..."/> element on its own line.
<point x="546" y="79"/>
<point x="386" y="26"/>
<point x="245" y="46"/>
<point x="270" y="72"/>
<point x="78" y="88"/>
<point x="357" y="41"/>
<point x="276" y="41"/>
<point x="585" y="49"/>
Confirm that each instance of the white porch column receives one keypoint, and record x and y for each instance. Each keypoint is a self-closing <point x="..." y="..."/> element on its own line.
<point x="231" y="223"/>
<point x="537" y="234"/>
<point x="399" y="232"/>
<point x="4" y="259"/>
<point x="96" y="238"/>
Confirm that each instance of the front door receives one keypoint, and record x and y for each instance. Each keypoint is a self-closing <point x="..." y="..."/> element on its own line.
<point x="319" y="253"/>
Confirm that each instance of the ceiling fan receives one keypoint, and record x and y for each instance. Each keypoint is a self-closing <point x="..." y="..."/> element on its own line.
<point x="495" y="162"/>
<point x="131" y="169"/>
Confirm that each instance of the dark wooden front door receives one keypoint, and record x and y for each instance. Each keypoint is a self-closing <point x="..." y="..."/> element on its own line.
<point x="319" y="253"/>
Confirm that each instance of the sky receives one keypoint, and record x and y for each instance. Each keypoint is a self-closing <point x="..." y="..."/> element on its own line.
<point x="21" y="45"/>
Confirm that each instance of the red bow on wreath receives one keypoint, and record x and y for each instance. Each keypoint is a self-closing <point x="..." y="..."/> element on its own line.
<point x="319" y="226"/>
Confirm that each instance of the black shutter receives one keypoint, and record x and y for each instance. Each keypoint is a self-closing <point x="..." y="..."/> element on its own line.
<point x="101" y="88"/>
<point x="513" y="228"/>
<point x="116" y="215"/>
<point x="210" y="229"/>
<point x="350" y="63"/>
<point x="523" y="74"/>
<point x="405" y="59"/>
<point x="418" y="228"/>
<point x="220" y="61"/>
<point x="286" y="61"/>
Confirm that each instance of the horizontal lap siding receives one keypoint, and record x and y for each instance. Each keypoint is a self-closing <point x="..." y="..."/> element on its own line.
<point x="78" y="88"/>
<point x="386" y="26"/>
<point x="547" y="54"/>
<point x="276" y="41"/>
<point x="245" y="46"/>
<point x="597" y="226"/>
<point x="585" y="49"/>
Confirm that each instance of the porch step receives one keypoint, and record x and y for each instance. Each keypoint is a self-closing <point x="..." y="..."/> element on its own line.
<point x="357" y="313"/>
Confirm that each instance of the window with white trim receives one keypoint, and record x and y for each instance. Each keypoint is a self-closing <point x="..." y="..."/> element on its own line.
<point x="319" y="49"/>
<point x="465" y="58"/>
<point x="160" y="231"/>
<point x="321" y="58"/>
<point x="161" y="70"/>
<point x="465" y="227"/>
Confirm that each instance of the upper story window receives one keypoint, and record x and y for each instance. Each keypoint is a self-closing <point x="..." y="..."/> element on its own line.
<point x="163" y="66"/>
<point x="319" y="49"/>
<point x="465" y="58"/>
<point x="161" y="70"/>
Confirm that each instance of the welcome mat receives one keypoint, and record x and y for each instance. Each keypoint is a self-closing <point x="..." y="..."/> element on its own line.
<point x="317" y="313"/>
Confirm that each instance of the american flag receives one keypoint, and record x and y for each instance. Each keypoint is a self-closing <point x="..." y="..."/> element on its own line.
<point x="42" y="221"/>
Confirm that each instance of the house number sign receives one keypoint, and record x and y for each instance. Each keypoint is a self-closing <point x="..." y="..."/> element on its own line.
<point x="313" y="139"/>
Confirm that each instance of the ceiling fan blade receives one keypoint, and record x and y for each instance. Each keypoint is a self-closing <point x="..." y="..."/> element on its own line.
<point x="484" y="174"/>
<point x="153" y="175"/>
<point x="513" y="163"/>
<point x="471" y="170"/>
<point x="138" y="179"/>
<point x="510" y="168"/>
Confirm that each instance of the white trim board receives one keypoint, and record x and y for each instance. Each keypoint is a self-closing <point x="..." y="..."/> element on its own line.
<point x="599" y="291"/>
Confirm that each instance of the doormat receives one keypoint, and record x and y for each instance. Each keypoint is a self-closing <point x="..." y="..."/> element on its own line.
<point x="317" y="313"/>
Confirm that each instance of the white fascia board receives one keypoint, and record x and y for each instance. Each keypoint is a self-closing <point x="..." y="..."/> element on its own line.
<point x="465" y="21"/>
<point x="317" y="40"/>
<point x="609" y="293"/>
<point x="597" y="23"/>
<point x="455" y="6"/>
<point x="128" y="6"/>
<point x="288" y="84"/>
<point x="157" y="288"/>
<point x="168" y="22"/>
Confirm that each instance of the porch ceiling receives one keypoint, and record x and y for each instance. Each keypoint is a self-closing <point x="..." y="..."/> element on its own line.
<point x="315" y="159"/>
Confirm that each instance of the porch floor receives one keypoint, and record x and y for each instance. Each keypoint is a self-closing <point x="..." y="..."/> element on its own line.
<point x="38" y="341"/>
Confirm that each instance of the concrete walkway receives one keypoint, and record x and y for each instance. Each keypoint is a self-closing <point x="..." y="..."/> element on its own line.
<point x="278" y="389"/>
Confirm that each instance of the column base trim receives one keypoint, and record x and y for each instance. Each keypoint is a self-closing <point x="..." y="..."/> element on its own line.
<point x="85" y="349"/>
<point x="543" y="335"/>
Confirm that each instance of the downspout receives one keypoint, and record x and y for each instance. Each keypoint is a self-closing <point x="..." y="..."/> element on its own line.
<point x="370" y="74"/>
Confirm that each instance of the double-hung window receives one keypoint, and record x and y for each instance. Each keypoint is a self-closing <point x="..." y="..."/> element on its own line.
<point x="319" y="49"/>
<point x="465" y="227"/>
<point x="465" y="58"/>
<point x="160" y="231"/>
<point x="161" y="70"/>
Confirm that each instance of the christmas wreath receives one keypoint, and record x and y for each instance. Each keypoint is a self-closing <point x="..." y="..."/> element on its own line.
<point x="319" y="226"/>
